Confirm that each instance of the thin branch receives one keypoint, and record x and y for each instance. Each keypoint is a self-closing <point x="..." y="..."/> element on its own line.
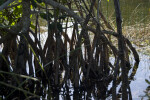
<point x="121" y="46"/>
<point x="70" y="12"/>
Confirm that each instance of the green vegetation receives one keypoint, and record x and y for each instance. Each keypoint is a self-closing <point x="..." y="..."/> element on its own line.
<point x="80" y="38"/>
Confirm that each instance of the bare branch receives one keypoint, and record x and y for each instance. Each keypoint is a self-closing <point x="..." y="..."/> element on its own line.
<point x="69" y="11"/>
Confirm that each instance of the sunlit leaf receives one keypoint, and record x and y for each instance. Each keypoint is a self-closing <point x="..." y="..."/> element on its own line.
<point x="147" y="41"/>
<point x="13" y="23"/>
<point x="42" y="4"/>
<point x="31" y="16"/>
<point x="32" y="26"/>
<point x="33" y="3"/>
<point x="108" y="0"/>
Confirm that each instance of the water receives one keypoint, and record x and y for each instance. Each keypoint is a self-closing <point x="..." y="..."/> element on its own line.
<point x="133" y="12"/>
<point x="138" y="84"/>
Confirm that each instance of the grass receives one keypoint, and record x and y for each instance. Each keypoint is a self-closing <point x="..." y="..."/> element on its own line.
<point x="139" y="34"/>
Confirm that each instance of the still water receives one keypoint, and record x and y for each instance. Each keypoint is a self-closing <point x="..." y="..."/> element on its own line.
<point x="133" y="12"/>
<point x="138" y="85"/>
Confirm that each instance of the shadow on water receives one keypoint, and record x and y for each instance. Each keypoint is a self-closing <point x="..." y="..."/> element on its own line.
<point x="76" y="68"/>
<point x="94" y="88"/>
<point x="88" y="74"/>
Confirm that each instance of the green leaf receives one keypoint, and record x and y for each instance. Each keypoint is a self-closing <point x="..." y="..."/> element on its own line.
<point x="32" y="26"/>
<point x="108" y="0"/>
<point x="1" y="13"/>
<point x="18" y="11"/>
<point x="13" y="23"/>
<point x="147" y="81"/>
<point x="33" y="3"/>
<point x="42" y="4"/>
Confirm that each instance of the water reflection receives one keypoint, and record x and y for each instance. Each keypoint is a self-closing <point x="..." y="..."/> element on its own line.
<point x="91" y="61"/>
<point x="99" y="88"/>
<point x="138" y="85"/>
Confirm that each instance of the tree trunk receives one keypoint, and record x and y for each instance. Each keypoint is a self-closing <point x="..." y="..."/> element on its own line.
<point x="121" y="50"/>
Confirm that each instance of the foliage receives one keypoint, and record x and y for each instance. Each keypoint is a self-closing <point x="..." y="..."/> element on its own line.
<point x="69" y="54"/>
